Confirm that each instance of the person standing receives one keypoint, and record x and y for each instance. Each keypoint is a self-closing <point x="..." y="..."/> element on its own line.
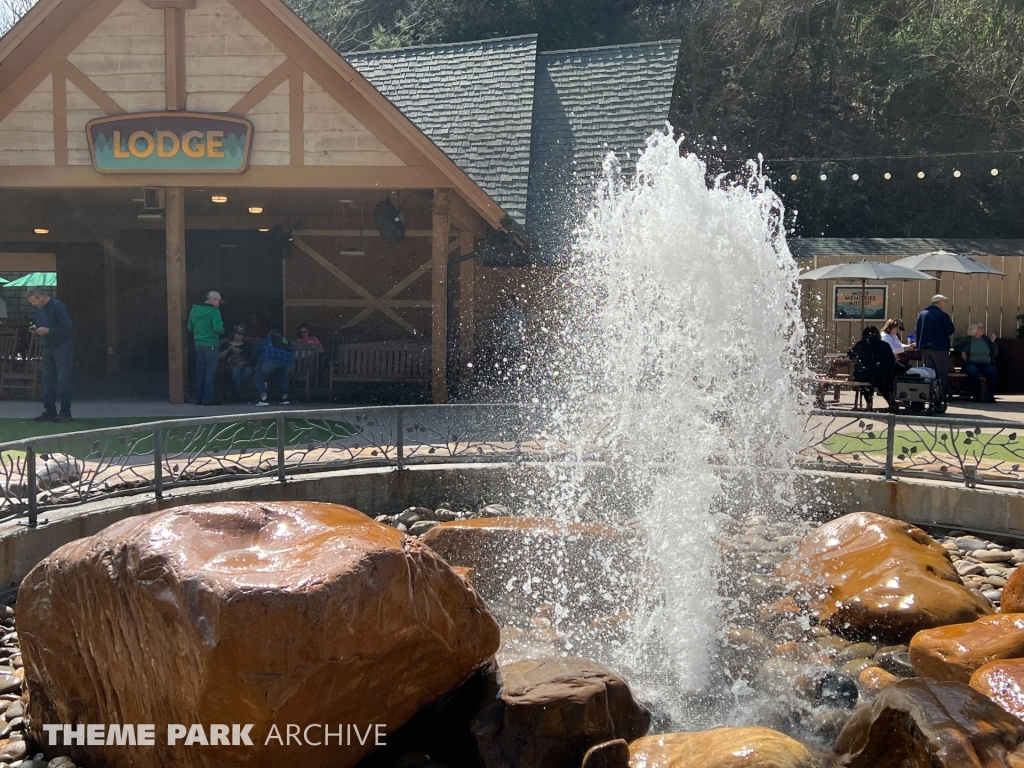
<point x="206" y="326"/>
<point x="53" y="326"/>
<point x="934" y="327"/>
<point x="273" y="358"/>
<point x="979" y="353"/>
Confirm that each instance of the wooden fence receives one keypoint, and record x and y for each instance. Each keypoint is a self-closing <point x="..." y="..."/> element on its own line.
<point x="992" y="299"/>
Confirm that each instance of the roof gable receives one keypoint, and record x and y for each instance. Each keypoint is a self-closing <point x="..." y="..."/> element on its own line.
<point x="474" y="99"/>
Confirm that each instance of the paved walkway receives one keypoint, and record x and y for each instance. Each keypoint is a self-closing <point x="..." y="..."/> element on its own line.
<point x="1007" y="407"/>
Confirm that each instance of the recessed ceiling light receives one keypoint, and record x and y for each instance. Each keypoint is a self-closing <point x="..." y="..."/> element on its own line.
<point x="920" y="174"/>
<point x="346" y="201"/>
<point x="995" y="171"/>
<point x="219" y="198"/>
<point x="957" y="174"/>
<point x="264" y="229"/>
<point x="856" y="177"/>
<point x="255" y="209"/>
<point x="888" y="175"/>
<point x="40" y="231"/>
<point x="794" y="177"/>
<point x="351" y="253"/>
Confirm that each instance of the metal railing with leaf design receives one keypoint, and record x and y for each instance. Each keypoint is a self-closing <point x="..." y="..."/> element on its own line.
<point x="56" y="471"/>
<point x="970" y="451"/>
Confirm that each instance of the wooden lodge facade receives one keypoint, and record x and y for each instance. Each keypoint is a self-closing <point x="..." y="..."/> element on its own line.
<point x="157" y="149"/>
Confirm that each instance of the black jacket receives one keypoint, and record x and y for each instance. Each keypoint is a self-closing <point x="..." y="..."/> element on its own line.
<point x="873" y="362"/>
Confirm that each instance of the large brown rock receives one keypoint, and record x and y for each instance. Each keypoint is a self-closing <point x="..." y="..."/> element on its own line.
<point x="749" y="747"/>
<point x="869" y="575"/>
<point x="1012" y="600"/>
<point x="955" y="652"/>
<point x="924" y="724"/>
<point x="244" y="613"/>
<point x="550" y="711"/>
<point x="1003" y="682"/>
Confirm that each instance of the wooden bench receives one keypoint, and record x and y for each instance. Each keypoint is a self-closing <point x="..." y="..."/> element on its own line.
<point x="821" y="386"/>
<point x="380" y="362"/>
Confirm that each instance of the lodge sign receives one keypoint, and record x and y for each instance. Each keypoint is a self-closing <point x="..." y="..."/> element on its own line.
<point x="169" y="142"/>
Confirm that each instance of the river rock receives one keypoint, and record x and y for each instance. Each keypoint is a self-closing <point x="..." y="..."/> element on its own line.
<point x="866" y="575"/>
<point x="749" y="747"/>
<point x="1003" y="682"/>
<point x="924" y="724"/>
<point x="513" y="559"/>
<point x="244" y="613"/>
<point x="610" y="754"/>
<point x="954" y="653"/>
<point x="550" y="711"/>
<point x="1013" y="593"/>
<point x="875" y="679"/>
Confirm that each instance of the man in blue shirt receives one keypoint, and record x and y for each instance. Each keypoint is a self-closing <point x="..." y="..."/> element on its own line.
<point x="53" y="326"/>
<point x="272" y="357"/>
<point x="934" y="327"/>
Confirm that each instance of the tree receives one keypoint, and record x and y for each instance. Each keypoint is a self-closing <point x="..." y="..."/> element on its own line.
<point x="11" y="11"/>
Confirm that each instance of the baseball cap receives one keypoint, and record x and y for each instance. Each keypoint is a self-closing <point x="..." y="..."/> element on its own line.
<point x="939" y="297"/>
<point x="214" y="295"/>
<point x="239" y="329"/>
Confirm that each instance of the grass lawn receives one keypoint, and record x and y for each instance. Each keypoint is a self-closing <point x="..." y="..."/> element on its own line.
<point x="20" y="429"/>
<point x="987" y="446"/>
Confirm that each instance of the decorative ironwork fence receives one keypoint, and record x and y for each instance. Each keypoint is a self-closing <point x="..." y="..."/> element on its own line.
<point x="970" y="451"/>
<point x="64" y="470"/>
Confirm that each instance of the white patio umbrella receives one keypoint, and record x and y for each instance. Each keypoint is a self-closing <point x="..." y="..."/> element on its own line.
<point x="864" y="271"/>
<point x="944" y="261"/>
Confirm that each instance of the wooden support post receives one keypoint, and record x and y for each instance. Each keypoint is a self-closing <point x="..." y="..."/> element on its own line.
<point x="439" y="298"/>
<point x="466" y="295"/>
<point x="174" y="58"/>
<point x="110" y="301"/>
<point x="177" y="367"/>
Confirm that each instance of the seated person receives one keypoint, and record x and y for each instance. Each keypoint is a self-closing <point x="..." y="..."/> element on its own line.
<point x="306" y="340"/>
<point x="891" y="336"/>
<point x="236" y="353"/>
<point x="874" y="363"/>
<point x="979" y="354"/>
<point x="273" y="358"/>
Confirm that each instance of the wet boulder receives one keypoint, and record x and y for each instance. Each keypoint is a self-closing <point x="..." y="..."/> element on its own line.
<point x="549" y="712"/>
<point x="1003" y="682"/>
<point x="924" y="724"/>
<point x="955" y="652"/>
<point x="866" y="575"/>
<point x="1012" y="599"/>
<point x="245" y="613"/>
<point x="749" y="747"/>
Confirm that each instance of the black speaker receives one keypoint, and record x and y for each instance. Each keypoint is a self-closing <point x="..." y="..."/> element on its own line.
<point x="282" y="240"/>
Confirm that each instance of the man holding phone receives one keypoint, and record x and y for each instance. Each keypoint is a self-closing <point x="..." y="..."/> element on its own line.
<point x="53" y="326"/>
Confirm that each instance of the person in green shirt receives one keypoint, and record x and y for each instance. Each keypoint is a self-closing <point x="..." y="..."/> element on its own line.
<point x="979" y="353"/>
<point x="206" y="326"/>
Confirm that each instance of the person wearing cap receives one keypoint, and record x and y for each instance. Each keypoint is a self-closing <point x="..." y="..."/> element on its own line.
<point x="236" y="353"/>
<point x="206" y="326"/>
<point x="934" y="327"/>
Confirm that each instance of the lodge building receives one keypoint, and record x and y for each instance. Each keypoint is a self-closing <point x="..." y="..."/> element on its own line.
<point x="151" y="150"/>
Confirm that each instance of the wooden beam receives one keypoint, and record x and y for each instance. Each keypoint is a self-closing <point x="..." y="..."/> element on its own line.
<point x="90" y="89"/>
<point x="374" y="304"/>
<point x="174" y="56"/>
<point x="177" y="348"/>
<point x="464" y="217"/>
<point x="110" y="302"/>
<point x="296" y="116"/>
<point x="439" y="298"/>
<point x="60" y="115"/>
<point x="467" y="295"/>
<point x="382" y="178"/>
<point x="162" y="5"/>
<point x="261" y="90"/>
<point x="21" y="82"/>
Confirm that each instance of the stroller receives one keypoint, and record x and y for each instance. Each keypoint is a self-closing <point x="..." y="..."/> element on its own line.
<point x="920" y="391"/>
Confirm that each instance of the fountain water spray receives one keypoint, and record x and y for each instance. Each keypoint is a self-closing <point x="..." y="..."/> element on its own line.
<point x="677" y="362"/>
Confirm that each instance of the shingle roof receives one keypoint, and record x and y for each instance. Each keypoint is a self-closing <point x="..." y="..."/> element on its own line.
<point x="588" y="102"/>
<point x="853" y="247"/>
<point x="474" y="100"/>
